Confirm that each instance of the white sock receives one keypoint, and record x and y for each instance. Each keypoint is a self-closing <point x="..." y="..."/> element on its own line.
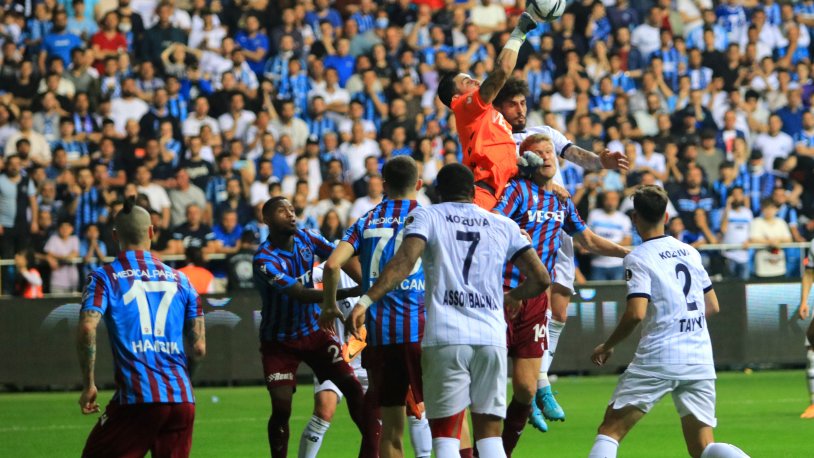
<point x="420" y="436"/>
<point x="542" y="377"/>
<point x="722" y="450"/>
<point x="554" y="330"/>
<point x="491" y="447"/>
<point x="810" y="373"/>
<point x="604" y="447"/>
<point x="311" y="438"/>
<point x="446" y="447"/>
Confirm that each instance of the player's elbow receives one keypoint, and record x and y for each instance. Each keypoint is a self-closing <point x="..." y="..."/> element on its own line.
<point x="332" y="265"/>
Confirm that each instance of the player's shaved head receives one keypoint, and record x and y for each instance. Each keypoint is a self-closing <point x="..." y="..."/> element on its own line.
<point x="400" y="176"/>
<point x="132" y="225"/>
<point x="650" y="204"/>
<point x="456" y="183"/>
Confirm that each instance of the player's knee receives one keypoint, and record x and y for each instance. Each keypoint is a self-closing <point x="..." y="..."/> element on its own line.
<point x="325" y="412"/>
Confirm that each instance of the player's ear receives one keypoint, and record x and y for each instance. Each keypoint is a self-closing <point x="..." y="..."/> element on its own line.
<point x="151" y="231"/>
<point x="419" y="184"/>
<point x="666" y="218"/>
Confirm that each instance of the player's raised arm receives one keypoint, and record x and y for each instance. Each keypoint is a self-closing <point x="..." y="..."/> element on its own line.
<point x="393" y="274"/>
<point x="507" y="59"/>
<point x="588" y="160"/>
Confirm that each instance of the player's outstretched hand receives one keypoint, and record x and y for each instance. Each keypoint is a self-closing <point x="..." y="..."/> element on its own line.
<point x="601" y="354"/>
<point x="615" y="160"/>
<point x="803" y="311"/>
<point x="512" y="305"/>
<point x="355" y="321"/>
<point x="87" y="400"/>
<point x="328" y="317"/>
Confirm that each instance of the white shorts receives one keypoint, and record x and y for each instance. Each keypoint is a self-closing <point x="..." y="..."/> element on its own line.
<point x="459" y="376"/>
<point x="564" y="270"/>
<point x="358" y="370"/>
<point x="696" y="397"/>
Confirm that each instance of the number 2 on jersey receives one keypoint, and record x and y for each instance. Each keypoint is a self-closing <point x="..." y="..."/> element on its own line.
<point x="682" y="268"/>
<point x="138" y="292"/>
<point x="474" y="238"/>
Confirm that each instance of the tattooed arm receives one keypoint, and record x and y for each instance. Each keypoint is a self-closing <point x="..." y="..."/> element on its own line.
<point x="195" y="333"/>
<point x="86" y="351"/>
<point x="591" y="161"/>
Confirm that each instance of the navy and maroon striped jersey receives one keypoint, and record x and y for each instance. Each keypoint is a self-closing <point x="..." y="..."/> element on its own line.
<point x="542" y="215"/>
<point x="144" y="304"/>
<point x="376" y="237"/>
<point x="275" y="270"/>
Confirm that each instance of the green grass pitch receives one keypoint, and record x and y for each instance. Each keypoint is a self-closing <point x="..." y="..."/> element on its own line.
<point x="758" y="412"/>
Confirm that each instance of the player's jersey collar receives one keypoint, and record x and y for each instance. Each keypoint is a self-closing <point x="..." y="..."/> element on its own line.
<point x="138" y="254"/>
<point x="655" y="238"/>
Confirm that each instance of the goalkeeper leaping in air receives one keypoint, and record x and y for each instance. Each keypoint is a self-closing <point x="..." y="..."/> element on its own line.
<point x="485" y="136"/>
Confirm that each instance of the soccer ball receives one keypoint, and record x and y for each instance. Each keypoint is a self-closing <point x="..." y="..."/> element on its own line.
<point x="545" y="10"/>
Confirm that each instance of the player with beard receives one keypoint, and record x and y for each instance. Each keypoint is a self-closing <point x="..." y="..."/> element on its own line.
<point x="511" y="103"/>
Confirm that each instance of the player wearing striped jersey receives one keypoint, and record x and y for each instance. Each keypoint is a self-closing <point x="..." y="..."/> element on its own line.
<point x="511" y="103"/>
<point x="395" y="323"/>
<point x="804" y="313"/>
<point x="289" y="332"/>
<point x="463" y="358"/>
<point x="670" y="293"/>
<point x="530" y="203"/>
<point x="149" y="310"/>
<point x="485" y="136"/>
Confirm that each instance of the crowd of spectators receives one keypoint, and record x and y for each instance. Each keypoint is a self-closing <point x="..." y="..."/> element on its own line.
<point x="203" y="109"/>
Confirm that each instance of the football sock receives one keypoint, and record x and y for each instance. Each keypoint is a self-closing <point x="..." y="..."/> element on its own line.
<point x="810" y="374"/>
<point x="517" y="414"/>
<point x="467" y="452"/>
<point x="722" y="450"/>
<point x="420" y="436"/>
<point x="446" y="447"/>
<point x="554" y="330"/>
<point x="490" y="447"/>
<point x="311" y="438"/>
<point x="604" y="447"/>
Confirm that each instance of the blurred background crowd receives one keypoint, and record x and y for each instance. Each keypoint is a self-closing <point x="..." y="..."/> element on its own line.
<point x="204" y="109"/>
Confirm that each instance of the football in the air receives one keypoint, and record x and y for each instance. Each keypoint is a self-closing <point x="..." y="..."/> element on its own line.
<point x="545" y="10"/>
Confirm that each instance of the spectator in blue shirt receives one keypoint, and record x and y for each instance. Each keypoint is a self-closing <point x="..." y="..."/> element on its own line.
<point x="323" y="11"/>
<point x="80" y="24"/>
<point x="59" y="42"/>
<point x="342" y="61"/>
<point x="792" y="114"/>
<point x="228" y="232"/>
<point x="254" y="43"/>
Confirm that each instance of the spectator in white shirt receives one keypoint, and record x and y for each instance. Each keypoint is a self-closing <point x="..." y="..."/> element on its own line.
<point x="774" y="144"/>
<point x="735" y="230"/>
<point x="354" y="152"/>
<point x="611" y="224"/>
<point x="355" y="113"/>
<point x="336" y="99"/>
<point x="335" y="201"/>
<point x="60" y="249"/>
<point x="771" y="230"/>
<point x="156" y="195"/>
<point x="489" y="16"/>
<point x="259" y="191"/>
<point x="40" y="152"/>
<point x="362" y="205"/>
<point x="287" y="124"/>
<point x="236" y="122"/>
<point x="647" y="37"/>
<point x="192" y="125"/>
<point x="128" y="106"/>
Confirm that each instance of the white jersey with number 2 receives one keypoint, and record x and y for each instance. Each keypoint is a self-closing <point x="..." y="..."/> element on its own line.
<point x="675" y="341"/>
<point x="466" y="250"/>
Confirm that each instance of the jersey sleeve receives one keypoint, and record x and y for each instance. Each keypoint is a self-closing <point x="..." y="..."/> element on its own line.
<point x="637" y="277"/>
<point x="560" y="142"/>
<point x="517" y="242"/>
<point x="273" y="273"/>
<point x="193" y="305"/>
<point x="573" y="223"/>
<point x="322" y="247"/>
<point x="469" y="107"/>
<point x="418" y="224"/>
<point x="511" y="200"/>
<point x="353" y="235"/>
<point x="95" y="297"/>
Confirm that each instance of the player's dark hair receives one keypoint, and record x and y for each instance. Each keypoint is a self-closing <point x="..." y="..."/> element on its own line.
<point x="650" y="203"/>
<point x="195" y="256"/>
<point x="270" y="205"/>
<point x="400" y="175"/>
<point x="446" y="88"/>
<point x="455" y="183"/>
<point x="129" y="203"/>
<point x="510" y="90"/>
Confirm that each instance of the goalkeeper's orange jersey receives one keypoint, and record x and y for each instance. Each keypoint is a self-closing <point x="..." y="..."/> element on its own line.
<point x="488" y="147"/>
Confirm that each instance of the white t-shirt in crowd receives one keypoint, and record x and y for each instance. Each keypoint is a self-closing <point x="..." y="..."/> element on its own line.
<point x="770" y="263"/>
<point x="737" y="232"/>
<point x="354" y="155"/>
<point x="772" y="147"/>
<point x="612" y="226"/>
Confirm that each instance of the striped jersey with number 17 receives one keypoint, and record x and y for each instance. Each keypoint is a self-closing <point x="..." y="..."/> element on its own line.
<point x="275" y="270"/>
<point x="144" y="304"/>
<point x="543" y="216"/>
<point x="399" y="317"/>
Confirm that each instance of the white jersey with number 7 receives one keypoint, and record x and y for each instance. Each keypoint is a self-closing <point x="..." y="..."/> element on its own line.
<point x="675" y="341"/>
<point x="466" y="250"/>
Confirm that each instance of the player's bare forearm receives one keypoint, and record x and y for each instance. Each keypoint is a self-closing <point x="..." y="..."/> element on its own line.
<point x="599" y="245"/>
<point x="537" y="278"/>
<point x="398" y="268"/>
<point x="634" y="314"/>
<point x="711" y="306"/>
<point x="86" y="345"/>
<point x="332" y="272"/>
<point x="588" y="160"/>
<point x="808" y="280"/>
<point x="354" y="269"/>
<point x="504" y="66"/>
<point x="195" y="334"/>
